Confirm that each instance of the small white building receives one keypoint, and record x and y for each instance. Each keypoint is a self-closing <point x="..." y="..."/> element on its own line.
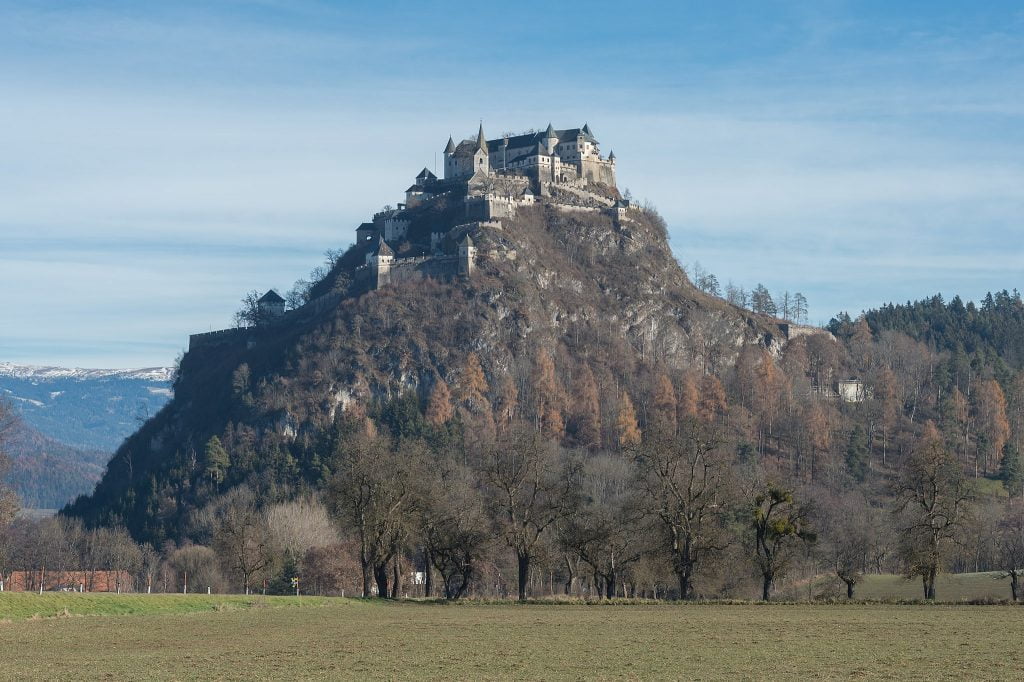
<point x="850" y="390"/>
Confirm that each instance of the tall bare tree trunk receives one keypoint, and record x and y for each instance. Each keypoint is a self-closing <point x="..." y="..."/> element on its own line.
<point x="523" y="560"/>
<point x="396" y="589"/>
<point x="380" y="575"/>
<point x="428" y="570"/>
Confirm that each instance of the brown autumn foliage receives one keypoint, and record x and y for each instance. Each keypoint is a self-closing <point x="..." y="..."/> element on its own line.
<point x="712" y="404"/>
<point x="439" y="405"/>
<point x="587" y="404"/>
<point x="688" y="396"/>
<point x="472" y="387"/>
<point x="628" y="428"/>
<point x="664" y="404"/>
<point x="993" y="426"/>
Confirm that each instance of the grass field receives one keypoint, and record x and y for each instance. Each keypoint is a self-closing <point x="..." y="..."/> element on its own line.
<point x="950" y="587"/>
<point x="198" y="637"/>
<point x="22" y="605"/>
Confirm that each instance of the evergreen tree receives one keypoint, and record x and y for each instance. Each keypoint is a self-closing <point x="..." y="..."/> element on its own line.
<point x="1010" y="472"/>
<point x="799" y="308"/>
<point x="281" y="583"/>
<point x="857" y="454"/>
<point x="761" y="301"/>
<point x="217" y="460"/>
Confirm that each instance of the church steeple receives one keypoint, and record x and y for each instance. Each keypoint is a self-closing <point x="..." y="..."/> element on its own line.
<point x="481" y="140"/>
<point x="450" y="149"/>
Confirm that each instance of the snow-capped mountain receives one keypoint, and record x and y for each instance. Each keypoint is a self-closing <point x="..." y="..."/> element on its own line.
<point x="39" y="372"/>
<point x="85" y="408"/>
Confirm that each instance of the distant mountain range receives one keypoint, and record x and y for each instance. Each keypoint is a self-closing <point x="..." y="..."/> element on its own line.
<point x="72" y="420"/>
<point x="87" y="408"/>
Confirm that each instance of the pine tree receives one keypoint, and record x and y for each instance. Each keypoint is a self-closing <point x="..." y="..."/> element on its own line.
<point x="761" y="301"/>
<point x="799" y="308"/>
<point x="281" y="583"/>
<point x="857" y="454"/>
<point x="1010" y="471"/>
<point x="216" y="459"/>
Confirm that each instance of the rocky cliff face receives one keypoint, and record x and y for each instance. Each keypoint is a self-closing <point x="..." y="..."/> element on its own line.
<point x="588" y="285"/>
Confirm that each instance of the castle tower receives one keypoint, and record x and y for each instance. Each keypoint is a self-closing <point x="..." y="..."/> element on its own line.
<point x="269" y="307"/>
<point x="481" y="157"/>
<point x="550" y="139"/>
<point x="467" y="256"/>
<point x="381" y="261"/>
<point x="449" y="163"/>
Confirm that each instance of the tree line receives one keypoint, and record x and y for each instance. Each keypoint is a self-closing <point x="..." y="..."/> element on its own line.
<point x="784" y="305"/>
<point x="677" y="484"/>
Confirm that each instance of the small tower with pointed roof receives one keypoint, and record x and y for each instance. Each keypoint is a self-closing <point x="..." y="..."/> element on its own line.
<point x="269" y="307"/>
<point x="468" y="158"/>
<point x="550" y="139"/>
<point x="380" y="258"/>
<point x="467" y="256"/>
<point x="481" y="139"/>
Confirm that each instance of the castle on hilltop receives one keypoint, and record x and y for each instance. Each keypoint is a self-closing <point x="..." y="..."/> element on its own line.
<point x="493" y="179"/>
<point x="436" y="232"/>
<point x="553" y="156"/>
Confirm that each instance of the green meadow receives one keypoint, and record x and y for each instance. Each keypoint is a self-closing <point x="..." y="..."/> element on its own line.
<point x="174" y="637"/>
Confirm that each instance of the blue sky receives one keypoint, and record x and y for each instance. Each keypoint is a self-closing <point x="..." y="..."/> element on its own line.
<point x="158" y="160"/>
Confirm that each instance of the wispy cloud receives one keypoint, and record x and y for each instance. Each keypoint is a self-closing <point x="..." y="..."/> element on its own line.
<point x="160" y="160"/>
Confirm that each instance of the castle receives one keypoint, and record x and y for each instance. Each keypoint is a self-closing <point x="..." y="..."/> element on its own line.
<point x="554" y="156"/>
<point x="431" y="234"/>
<point x="494" y="178"/>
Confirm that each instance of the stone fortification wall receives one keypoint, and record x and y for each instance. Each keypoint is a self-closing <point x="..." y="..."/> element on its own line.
<point x="402" y="270"/>
<point x="216" y="338"/>
<point x="236" y="335"/>
<point x="414" y="269"/>
<point x="795" y="331"/>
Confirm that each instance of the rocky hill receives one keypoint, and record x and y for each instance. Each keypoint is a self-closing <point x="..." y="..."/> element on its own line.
<point x="588" y="284"/>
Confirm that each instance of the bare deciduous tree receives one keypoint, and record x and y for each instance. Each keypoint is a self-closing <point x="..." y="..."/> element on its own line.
<point x="780" y="526"/>
<point x="240" y="536"/>
<point x="682" y="479"/>
<point x="932" y="499"/>
<point x="374" y="492"/>
<point x="1010" y="544"/>
<point x="531" y="486"/>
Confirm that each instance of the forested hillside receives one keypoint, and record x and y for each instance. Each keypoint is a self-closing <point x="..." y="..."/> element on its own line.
<point x="992" y="332"/>
<point x="575" y="414"/>
<point x="577" y="286"/>
<point x="46" y="474"/>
